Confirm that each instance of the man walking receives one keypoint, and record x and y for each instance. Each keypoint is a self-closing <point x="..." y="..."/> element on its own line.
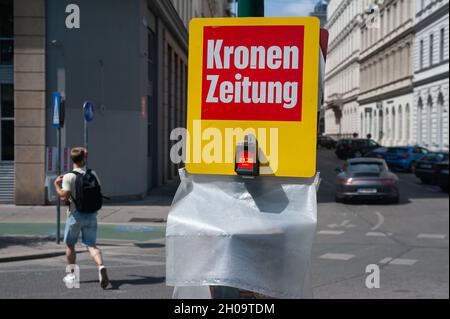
<point x="81" y="188"/>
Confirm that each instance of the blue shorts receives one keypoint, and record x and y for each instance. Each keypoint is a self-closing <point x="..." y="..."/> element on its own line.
<point x="86" y="223"/>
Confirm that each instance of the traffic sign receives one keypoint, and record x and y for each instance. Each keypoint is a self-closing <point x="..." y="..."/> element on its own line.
<point x="255" y="76"/>
<point x="56" y="110"/>
<point x="88" y="111"/>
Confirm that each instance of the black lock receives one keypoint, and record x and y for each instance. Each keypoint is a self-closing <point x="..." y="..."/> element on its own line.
<point x="246" y="159"/>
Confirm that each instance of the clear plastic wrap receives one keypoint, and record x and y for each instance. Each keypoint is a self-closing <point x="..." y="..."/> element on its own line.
<point x="251" y="234"/>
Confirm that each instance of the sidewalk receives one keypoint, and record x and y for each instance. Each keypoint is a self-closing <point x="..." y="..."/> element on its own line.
<point x="28" y="232"/>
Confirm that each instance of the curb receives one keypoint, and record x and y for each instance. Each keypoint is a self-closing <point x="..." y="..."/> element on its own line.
<point x="61" y="252"/>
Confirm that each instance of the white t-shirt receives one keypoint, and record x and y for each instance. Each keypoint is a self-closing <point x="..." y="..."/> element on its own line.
<point x="68" y="185"/>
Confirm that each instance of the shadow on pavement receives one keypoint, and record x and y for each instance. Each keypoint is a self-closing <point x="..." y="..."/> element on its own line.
<point x="29" y="242"/>
<point x="149" y="245"/>
<point x="139" y="280"/>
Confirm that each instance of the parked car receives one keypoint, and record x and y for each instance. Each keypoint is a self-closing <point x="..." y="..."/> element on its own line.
<point x="326" y="142"/>
<point x="426" y="168"/>
<point x="441" y="175"/>
<point x="366" y="178"/>
<point x="404" y="157"/>
<point x="358" y="147"/>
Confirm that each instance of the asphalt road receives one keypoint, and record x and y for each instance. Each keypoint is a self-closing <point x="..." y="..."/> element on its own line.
<point x="408" y="242"/>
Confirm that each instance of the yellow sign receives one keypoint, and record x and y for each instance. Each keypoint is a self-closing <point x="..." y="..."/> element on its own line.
<point x="255" y="76"/>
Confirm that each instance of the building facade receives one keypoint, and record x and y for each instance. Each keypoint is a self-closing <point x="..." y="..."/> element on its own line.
<point x="128" y="57"/>
<point x="386" y="98"/>
<point x="431" y="57"/>
<point x="342" y="75"/>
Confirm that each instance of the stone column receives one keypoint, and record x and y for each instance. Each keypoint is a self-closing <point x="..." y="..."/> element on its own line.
<point x="29" y="96"/>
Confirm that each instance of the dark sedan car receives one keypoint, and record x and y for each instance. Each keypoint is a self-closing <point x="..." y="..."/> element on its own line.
<point x="366" y="178"/>
<point x="357" y="147"/>
<point x="326" y="142"/>
<point x="427" y="167"/>
<point x="441" y="175"/>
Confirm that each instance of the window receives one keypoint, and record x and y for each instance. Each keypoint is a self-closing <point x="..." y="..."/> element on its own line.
<point x="6" y="18"/>
<point x="388" y="21"/>
<point x="6" y="32"/>
<point x="441" y="45"/>
<point x="431" y="49"/>
<point x="367" y="167"/>
<point x="6" y="51"/>
<point x="421" y="55"/>
<point x="440" y="135"/>
<point x="6" y="122"/>
<point x="436" y="157"/>
<point x="419" y="121"/>
<point x="429" y="119"/>
<point x="394" y="16"/>
<point x="401" y="11"/>
<point x="407" y="121"/>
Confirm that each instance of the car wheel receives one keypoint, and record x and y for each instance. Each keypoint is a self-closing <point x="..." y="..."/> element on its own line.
<point x="358" y="154"/>
<point x="338" y="200"/>
<point x="444" y="188"/>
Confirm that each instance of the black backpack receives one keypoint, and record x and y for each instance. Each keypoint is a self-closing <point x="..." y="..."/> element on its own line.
<point x="89" y="198"/>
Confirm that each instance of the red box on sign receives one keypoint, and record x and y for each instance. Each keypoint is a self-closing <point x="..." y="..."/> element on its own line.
<point x="252" y="73"/>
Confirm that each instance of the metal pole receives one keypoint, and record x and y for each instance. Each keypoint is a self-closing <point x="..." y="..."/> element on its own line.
<point x="86" y="137"/>
<point x="58" y="172"/>
<point x="251" y="8"/>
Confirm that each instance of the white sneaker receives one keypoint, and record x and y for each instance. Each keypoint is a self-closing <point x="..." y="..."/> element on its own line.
<point x="70" y="280"/>
<point x="103" y="277"/>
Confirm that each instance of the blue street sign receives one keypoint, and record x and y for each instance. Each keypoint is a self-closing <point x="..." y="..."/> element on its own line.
<point x="56" y="110"/>
<point x="88" y="111"/>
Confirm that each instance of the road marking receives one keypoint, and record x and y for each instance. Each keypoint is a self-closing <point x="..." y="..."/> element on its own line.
<point x="385" y="260"/>
<point x="345" y="224"/>
<point x="432" y="236"/>
<point x="375" y="234"/>
<point x="403" y="262"/>
<point x="380" y="221"/>
<point x="331" y="232"/>
<point x="337" y="256"/>
<point x="398" y="261"/>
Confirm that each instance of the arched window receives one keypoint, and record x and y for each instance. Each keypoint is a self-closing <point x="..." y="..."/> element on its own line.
<point x="398" y="63"/>
<point x="420" y="122"/>
<point x="400" y="123"/>
<point x="429" y="119"/>
<point x="380" y="123"/>
<point x="388" y="124"/>
<point x="407" y="122"/>
<point x="393" y="126"/>
<point x="391" y="67"/>
<point x="375" y="124"/>
<point x="361" y="123"/>
<point x="440" y="118"/>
